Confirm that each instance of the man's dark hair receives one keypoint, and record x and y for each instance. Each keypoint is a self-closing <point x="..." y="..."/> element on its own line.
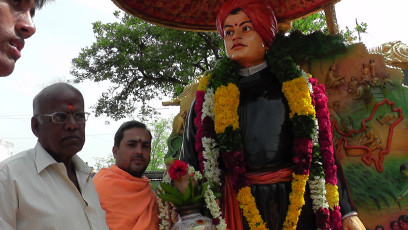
<point x="128" y="125"/>
<point x="403" y="218"/>
<point x="379" y="227"/>
<point x="40" y="3"/>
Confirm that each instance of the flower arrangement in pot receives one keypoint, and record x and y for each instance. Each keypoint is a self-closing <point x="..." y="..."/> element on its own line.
<point x="184" y="188"/>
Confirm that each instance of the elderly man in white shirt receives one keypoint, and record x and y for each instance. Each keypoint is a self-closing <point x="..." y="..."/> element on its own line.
<point x="50" y="187"/>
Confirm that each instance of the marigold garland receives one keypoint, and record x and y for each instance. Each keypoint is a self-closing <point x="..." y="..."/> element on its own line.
<point x="332" y="195"/>
<point x="296" y="201"/>
<point x="202" y="84"/>
<point x="298" y="96"/>
<point x="224" y="119"/>
<point x="250" y="211"/>
<point x="226" y="102"/>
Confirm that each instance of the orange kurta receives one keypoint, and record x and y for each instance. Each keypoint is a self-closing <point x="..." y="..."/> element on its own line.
<point x="129" y="202"/>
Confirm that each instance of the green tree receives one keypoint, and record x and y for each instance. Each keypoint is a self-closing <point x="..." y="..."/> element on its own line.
<point x="161" y="129"/>
<point x="143" y="62"/>
<point x="317" y="22"/>
<point x="311" y="23"/>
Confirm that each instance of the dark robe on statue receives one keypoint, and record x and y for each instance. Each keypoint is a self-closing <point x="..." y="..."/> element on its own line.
<point x="267" y="138"/>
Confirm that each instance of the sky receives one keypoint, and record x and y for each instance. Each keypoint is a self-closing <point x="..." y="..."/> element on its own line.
<point x="65" y="26"/>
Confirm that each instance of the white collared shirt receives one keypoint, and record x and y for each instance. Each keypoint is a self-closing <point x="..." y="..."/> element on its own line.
<point x="251" y="70"/>
<point x="36" y="193"/>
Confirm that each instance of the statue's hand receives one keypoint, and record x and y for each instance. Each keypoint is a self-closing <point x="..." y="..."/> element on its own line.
<point x="352" y="223"/>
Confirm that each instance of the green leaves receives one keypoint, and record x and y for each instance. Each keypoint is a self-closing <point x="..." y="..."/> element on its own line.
<point x="311" y="23"/>
<point x="176" y="201"/>
<point x="193" y="194"/>
<point x="317" y="22"/>
<point x="142" y="62"/>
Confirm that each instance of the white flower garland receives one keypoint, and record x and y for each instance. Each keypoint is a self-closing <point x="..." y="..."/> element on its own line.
<point x="318" y="193"/>
<point x="164" y="223"/>
<point x="306" y="76"/>
<point x="214" y="208"/>
<point x="211" y="170"/>
<point x="211" y="154"/>
<point x="208" y="104"/>
<point x="317" y="183"/>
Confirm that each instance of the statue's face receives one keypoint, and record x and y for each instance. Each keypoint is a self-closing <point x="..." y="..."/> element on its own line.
<point x="242" y="43"/>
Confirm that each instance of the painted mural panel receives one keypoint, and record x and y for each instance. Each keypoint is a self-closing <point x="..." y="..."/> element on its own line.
<point x="368" y="101"/>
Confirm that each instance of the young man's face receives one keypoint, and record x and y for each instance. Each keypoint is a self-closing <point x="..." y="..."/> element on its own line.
<point x="133" y="153"/>
<point x="242" y="43"/>
<point x="16" y="24"/>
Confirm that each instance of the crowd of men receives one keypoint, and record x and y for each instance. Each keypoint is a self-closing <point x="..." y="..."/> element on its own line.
<point x="49" y="186"/>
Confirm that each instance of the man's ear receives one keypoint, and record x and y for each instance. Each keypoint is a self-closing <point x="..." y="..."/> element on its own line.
<point x="35" y="126"/>
<point x="115" y="151"/>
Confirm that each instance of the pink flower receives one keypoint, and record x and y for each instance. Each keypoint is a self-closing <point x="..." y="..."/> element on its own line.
<point x="198" y="107"/>
<point x="215" y="221"/>
<point x="178" y="169"/>
<point x="198" y="144"/>
<point x="234" y="163"/>
<point x="323" y="218"/>
<point x="302" y="158"/>
<point x="335" y="218"/>
<point x="313" y="81"/>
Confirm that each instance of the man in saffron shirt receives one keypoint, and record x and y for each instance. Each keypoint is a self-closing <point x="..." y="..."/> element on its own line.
<point x="125" y="194"/>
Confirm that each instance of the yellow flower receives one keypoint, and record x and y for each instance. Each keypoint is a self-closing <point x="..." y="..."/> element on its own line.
<point x="202" y="85"/>
<point x="298" y="96"/>
<point x="226" y="102"/>
<point x="247" y="204"/>
<point x="332" y="195"/>
<point x="296" y="200"/>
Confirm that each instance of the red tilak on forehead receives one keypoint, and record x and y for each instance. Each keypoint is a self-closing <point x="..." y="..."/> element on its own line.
<point x="70" y="106"/>
<point x="236" y="24"/>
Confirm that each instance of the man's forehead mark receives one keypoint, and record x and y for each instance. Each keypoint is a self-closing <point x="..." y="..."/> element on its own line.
<point x="137" y="139"/>
<point x="70" y="106"/>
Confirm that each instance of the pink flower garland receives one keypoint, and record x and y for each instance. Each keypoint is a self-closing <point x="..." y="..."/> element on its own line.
<point x="200" y="132"/>
<point x="302" y="155"/>
<point x="326" y="146"/>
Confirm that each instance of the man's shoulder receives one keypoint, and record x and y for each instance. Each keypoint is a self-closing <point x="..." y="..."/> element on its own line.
<point x="101" y="176"/>
<point x="20" y="159"/>
<point x="12" y="167"/>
